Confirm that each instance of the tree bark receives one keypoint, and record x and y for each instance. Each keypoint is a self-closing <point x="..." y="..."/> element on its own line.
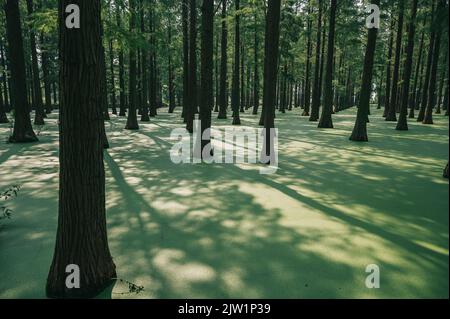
<point x="23" y="131"/>
<point x="315" y="109"/>
<point x="81" y="236"/>
<point x="402" y="124"/>
<point x="235" y="91"/>
<point x="207" y="91"/>
<point x="326" y="120"/>
<point x="132" y="123"/>
<point x="392" y="112"/>
<point x="360" y="130"/>
<point x="37" y="93"/>
<point x="272" y="41"/>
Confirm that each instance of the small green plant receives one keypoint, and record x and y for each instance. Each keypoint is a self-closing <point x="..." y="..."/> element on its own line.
<point x="132" y="289"/>
<point x="12" y="192"/>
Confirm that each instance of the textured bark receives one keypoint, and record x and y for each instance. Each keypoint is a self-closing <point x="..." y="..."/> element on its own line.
<point x="132" y="123"/>
<point x="326" y="120"/>
<point x="4" y="76"/>
<point x="144" y="85"/>
<point x="387" y="103"/>
<point x="46" y="76"/>
<point x="426" y="83"/>
<point x="23" y="131"/>
<point x="256" y="71"/>
<point x="402" y="124"/>
<point x="235" y="90"/>
<point x="307" y="106"/>
<point x="360" y="130"/>
<point x="112" y="78"/>
<point x="418" y="74"/>
<point x="185" y="22"/>
<point x="223" y="99"/>
<point x="272" y="41"/>
<point x="315" y="108"/>
<point x="122" y="98"/>
<point x="192" y="105"/>
<point x="392" y="112"/>
<point x="37" y="93"/>
<point x="81" y="236"/>
<point x="441" y="8"/>
<point x="171" y="73"/>
<point x="207" y="92"/>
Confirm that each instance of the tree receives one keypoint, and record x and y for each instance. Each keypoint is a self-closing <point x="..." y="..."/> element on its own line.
<point x="81" y="238"/>
<point x="441" y="9"/>
<point x="185" y="26"/>
<point x="392" y="112"/>
<point x="192" y="93"/>
<point x="37" y="93"/>
<point x="207" y="92"/>
<point x="271" y="52"/>
<point x="360" y="130"/>
<point x="132" y="123"/>
<point x="235" y="90"/>
<point x="315" y="108"/>
<point x="326" y="120"/>
<point x="426" y="83"/>
<point x="23" y="131"/>
<point x="402" y="124"/>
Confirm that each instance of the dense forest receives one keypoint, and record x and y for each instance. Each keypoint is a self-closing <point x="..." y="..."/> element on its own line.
<point x="102" y="68"/>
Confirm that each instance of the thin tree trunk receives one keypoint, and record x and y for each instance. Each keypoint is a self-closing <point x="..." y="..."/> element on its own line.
<point x="207" y="91"/>
<point x="360" y="130"/>
<point x="132" y="123"/>
<point x="315" y="108"/>
<point x="402" y="124"/>
<point x="223" y="99"/>
<point x="326" y="120"/>
<point x="428" y="119"/>
<point x="392" y="112"/>
<point x="23" y="131"/>
<point x="235" y="91"/>
<point x="37" y="93"/>
<point x="270" y="78"/>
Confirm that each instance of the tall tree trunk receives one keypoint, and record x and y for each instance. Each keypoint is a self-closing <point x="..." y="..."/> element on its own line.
<point x="416" y="77"/>
<point x="112" y="77"/>
<point x="441" y="7"/>
<point x="242" y="81"/>
<point x="387" y="102"/>
<point x="4" y="76"/>
<point x="122" y="98"/>
<point x="392" y="112"/>
<point x="360" y="130"/>
<point x="426" y="84"/>
<point x="223" y="99"/>
<point x="23" y="131"/>
<point x="270" y="77"/>
<point x="207" y="92"/>
<point x="326" y="120"/>
<point x="171" y="73"/>
<point x="37" y="93"/>
<point x="46" y="75"/>
<point x="444" y="75"/>
<point x="402" y="124"/>
<point x="132" y="123"/>
<point x="185" y="24"/>
<point x="235" y="91"/>
<point x="190" y="114"/>
<point x="81" y="236"/>
<point x="144" y="86"/>
<point x="315" y="108"/>
<point x="308" y="64"/>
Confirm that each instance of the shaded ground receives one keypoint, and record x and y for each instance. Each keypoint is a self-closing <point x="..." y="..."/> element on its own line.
<point x="219" y="231"/>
